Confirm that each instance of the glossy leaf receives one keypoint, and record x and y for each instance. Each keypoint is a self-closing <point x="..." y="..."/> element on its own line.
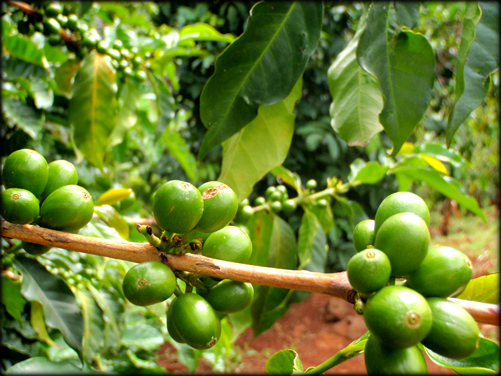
<point x="28" y="118"/>
<point x="93" y="108"/>
<point x="12" y="299"/>
<point x="127" y="115"/>
<point x="203" y="31"/>
<point x="443" y="184"/>
<point x="283" y="362"/>
<point x="366" y="172"/>
<point x="260" y="68"/>
<point x="404" y="64"/>
<point x="60" y="309"/>
<point x="442" y="153"/>
<point x="286" y="176"/>
<point x="112" y="196"/>
<point x="24" y="49"/>
<point x="483" y="361"/>
<point x="311" y="243"/>
<point x="357" y="99"/>
<point x="42" y="365"/>
<point x="482" y="289"/>
<point x="93" y="324"/>
<point x="478" y="57"/>
<point x="270" y="133"/>
<point x="273" y="245"/>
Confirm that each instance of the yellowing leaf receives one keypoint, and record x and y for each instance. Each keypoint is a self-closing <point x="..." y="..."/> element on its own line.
<point x="435" y="163"/>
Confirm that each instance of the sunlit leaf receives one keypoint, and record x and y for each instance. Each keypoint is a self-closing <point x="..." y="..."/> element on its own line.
<point x="283" y="362"/>
<point x="443" y="184"/>
<point x="112" y="196"/>
<point x="366" y="172"/>
<point x="482" y="289"/>
<point x="260" y="68"/>
<point x="38" y="323"/>
<point x="112" y="218"/>
<point x="93" y="107"/>
<point x="270" y="134"/>
<point x="288" y="177"/>
<point x="203" y="31"/>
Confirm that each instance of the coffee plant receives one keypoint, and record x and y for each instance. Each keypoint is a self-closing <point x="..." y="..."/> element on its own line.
<point x="182" y="172"/>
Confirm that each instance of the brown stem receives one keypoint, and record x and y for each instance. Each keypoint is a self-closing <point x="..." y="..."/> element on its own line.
<point x="334" y="284"/>
<point x="26" y="8"/>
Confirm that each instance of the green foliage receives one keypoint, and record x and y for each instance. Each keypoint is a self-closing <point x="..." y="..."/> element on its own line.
<point x="131" y="94"/>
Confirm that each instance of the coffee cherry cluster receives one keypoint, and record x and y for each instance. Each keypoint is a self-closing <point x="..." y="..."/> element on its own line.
<point x="61" y="27"/>
<point x="46" y="194"/>
<point x="189" y="216"/>
<point x="402" y="284"/>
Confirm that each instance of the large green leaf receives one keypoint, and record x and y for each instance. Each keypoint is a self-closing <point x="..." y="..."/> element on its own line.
<point x="448" y="186"/>
<point x="478" y="57"/>
<point x="93" y="108"/>
<point x="60" y="309"/>
<point x="482" y="289"/>
<point x="356" y="98"/>
<point x="12" y="298"/>
<point x="260" y="146"/>
<point x="260" y="68"/>
<point x="483" y="361"/>
<point x="283" y="362"/>
<point x="404" y="64"/>
<point x="273" y="245"/>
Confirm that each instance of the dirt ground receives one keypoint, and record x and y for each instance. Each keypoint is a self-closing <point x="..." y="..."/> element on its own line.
<point x="316" y="329"/>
